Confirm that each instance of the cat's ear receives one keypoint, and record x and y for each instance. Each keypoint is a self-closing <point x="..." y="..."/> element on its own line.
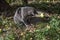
<point x="19" y="10"/>
<point x="35" y="11"/>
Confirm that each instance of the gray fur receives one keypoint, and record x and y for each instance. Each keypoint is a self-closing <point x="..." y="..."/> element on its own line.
<point x="21" y="13"/>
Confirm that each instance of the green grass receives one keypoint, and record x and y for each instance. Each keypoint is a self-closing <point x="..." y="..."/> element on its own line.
<point x="42" y="30"/>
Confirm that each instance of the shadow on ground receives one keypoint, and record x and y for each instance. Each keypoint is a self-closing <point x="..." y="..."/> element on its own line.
<point x="36" y="20"/>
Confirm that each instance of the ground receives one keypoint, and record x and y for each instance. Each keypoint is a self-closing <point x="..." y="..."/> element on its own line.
<point x="40" y="30"/>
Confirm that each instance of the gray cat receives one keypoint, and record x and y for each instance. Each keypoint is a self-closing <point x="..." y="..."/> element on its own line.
<point x="23" y="13"/>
